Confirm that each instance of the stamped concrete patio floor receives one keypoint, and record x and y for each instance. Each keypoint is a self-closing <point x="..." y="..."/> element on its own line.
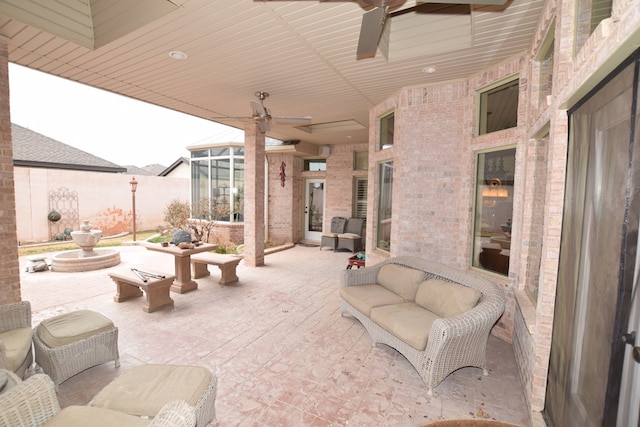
<point x="283" y="354"/>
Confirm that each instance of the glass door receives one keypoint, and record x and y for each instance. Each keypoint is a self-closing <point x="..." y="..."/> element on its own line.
<point x="314" y="209"/>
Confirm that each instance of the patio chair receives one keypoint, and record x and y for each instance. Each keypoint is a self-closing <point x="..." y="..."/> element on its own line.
<point x="16" y="353"/>
<point x="331" y="239"/>
<point x="351" y="239"/>
<point x="33" y="402"/>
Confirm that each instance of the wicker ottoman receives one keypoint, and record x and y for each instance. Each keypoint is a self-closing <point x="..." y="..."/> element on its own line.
<point x="68" y="344"/>
<point x="144" y="389"/>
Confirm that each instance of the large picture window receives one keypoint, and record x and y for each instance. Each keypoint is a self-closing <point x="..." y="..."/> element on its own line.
<point x="217" y="183"/>
<point x="384" y="205"/>
<point x="493" y="210"/>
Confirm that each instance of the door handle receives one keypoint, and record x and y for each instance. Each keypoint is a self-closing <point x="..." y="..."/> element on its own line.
<point x="630" y="339"/>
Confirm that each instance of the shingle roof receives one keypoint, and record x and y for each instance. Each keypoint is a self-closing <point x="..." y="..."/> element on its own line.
<point x="174" y="165"/>
<point x="36" y="150"/>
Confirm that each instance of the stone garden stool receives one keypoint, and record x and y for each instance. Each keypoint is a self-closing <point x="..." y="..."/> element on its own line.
<point x="144" y="389"/>
<point x="67" y="344"/>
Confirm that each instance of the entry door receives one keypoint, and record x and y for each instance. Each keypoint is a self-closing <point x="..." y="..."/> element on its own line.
<point x="314" y="209"/>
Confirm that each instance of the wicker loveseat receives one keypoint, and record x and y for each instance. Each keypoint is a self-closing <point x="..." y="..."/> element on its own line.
<point x="437" y="316"/>
<point x="33" y="402"/>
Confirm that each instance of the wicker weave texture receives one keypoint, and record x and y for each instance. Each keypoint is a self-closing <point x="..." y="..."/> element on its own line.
<point x="175" y="413"/>
<point x="454" y="342"/>
<point x="30" y="403"/>
<point x="61" y="363"/>
<point x="14" y="316"/>
<point x="206" y="406"/>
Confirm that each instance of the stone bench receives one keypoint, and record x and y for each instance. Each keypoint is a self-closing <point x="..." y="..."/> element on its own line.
<point x="129" y="286"/>
<point x="226" y="263"/>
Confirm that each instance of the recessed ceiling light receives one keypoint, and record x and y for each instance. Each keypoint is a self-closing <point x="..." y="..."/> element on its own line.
<point x="176" y="54"/>
<point x="429" y="70"/>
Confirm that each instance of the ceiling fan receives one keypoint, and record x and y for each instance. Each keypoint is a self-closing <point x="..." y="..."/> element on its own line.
<point x="373" y="21"/>
<point x="262" y="116"/>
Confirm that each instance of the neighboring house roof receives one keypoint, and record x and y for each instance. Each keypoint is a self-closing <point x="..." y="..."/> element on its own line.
<point x="135" y="170"/>
<point x="180" y="161"/>
<point x="32" y="149"/>
<point x="155" y="169"/>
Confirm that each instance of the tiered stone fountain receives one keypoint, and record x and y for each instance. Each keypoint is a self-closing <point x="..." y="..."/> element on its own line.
<point x="87" y="258"/>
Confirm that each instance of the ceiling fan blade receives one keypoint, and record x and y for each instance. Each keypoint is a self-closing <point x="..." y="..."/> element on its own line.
<point x="478" y="2"/>
<point x="370" y="32"/>
<point x="258" y="108"/>
<point x="292" y="120"/>
<point x="263" y="125"/>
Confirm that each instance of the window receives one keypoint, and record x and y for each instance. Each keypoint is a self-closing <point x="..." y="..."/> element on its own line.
<point x="386" y="130"/>
<point x="384" y="205"/>
<point x="545" y="64"/>
<point x="493" y="210"/>
<point x="360" y="160"/>
<point x="498" y="107"/>
<point x="360" y="197"/>
<point x="315" y="165"/>
<point x="217" y="184"/>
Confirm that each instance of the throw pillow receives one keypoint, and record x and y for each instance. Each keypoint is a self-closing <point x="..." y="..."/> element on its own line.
<point x="403" y="281"/>
<point x="446" y="299"/>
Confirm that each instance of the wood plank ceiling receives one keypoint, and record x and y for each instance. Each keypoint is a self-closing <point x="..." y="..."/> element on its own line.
<point x="302" y="52"/>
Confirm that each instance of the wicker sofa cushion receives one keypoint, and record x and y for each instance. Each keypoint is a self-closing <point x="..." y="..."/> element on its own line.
<point x="446" y="299"/>
<point x="71" y="327"/>
<point x="94" y="417"/>
<point x="407" y="321"/>
<point x="401" y="280"/>
<point x="145" y="389"/>
<point x="365" y="297"/>
<point x="17" y="343"/>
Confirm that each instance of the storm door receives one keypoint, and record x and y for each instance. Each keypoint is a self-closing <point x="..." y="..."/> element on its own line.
<point x="597" y="257"/>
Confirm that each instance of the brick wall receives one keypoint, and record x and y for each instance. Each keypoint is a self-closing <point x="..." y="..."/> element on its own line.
<point x="10" y="279"/>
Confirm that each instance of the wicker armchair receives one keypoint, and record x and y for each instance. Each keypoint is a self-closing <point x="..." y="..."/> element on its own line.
<point x="33" y="403"/>
<point x="337" y="227"/>
<point x="352" y="238"/>
<point x="453" y="342"/>
<point x="16" y="353"/>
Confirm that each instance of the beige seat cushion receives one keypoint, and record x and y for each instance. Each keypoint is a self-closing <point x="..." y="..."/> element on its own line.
<point x="407" y="321"/>
<point x="352" y="236"/>
<point x="365" y="297"/>
<point x="17" y="343"/>
<point x="94" y="417"/>
<point x="403" y="281"/>
<point x="446" y="299"/>
<point x="72" y="327"/>
<point x="145" y="389"/>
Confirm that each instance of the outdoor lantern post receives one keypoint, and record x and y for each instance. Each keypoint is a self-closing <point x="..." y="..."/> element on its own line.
<point x="134" y="186"/>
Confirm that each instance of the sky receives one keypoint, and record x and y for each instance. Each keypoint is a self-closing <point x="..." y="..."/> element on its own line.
<point x="116" y="128"/>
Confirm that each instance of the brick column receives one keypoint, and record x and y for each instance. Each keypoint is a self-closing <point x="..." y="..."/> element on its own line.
<point x="9" y="267"/>
<point x="254" y="224"/>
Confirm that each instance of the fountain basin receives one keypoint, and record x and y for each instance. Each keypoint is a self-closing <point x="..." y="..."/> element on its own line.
<point x="77" y="260"/>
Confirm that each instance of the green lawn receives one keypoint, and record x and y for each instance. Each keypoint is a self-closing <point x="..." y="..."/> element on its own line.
<point x="70" y="245"/>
